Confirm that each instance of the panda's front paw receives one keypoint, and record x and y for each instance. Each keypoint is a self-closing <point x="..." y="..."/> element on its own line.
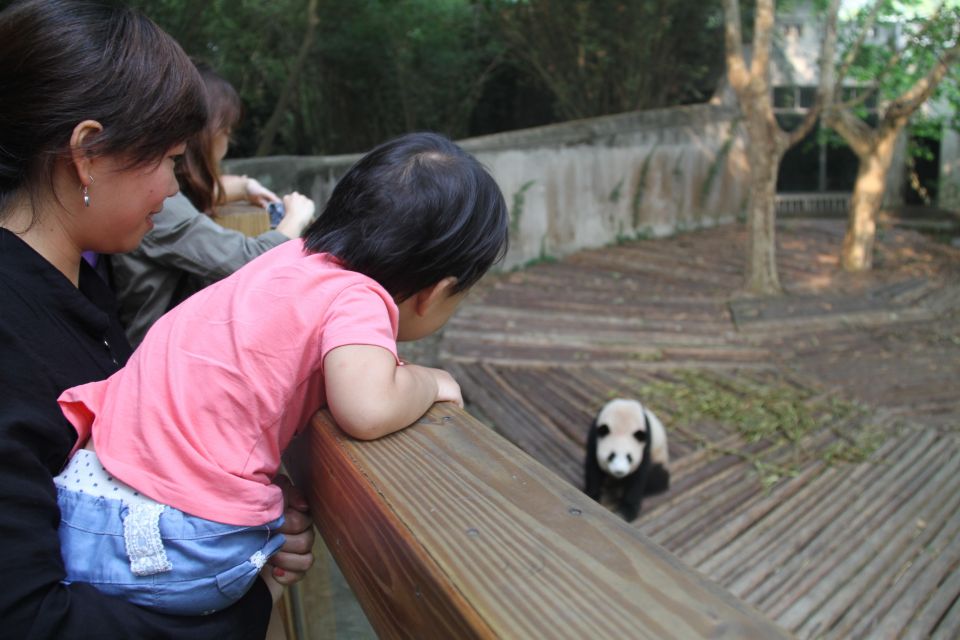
<point x="629" y="511"/>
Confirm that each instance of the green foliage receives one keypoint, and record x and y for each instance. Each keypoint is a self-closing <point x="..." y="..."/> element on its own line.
<point x="718" y="163"/>
<point x="907" y="41"/>
<point x="378" y="68"/>
<point x="601" y="57"/>
<point x="902" y="54"/>
<point x="519" y="199"/>
<point x="641" y="185"/>
<point x="544" y="257"/>
<point x="251" y="43"/>
<point x="395" y="66"/>
<point x="644" y="233"/>
<point x="615" y="192"/>
<point x="906" y="27"/>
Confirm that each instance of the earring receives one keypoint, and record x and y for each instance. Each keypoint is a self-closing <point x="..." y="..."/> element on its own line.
<point x="85" y="191"/>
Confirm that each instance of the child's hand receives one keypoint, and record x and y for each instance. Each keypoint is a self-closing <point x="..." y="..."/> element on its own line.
<point x="448" y="389"/>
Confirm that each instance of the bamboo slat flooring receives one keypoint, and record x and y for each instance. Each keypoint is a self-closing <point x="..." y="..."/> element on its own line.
<point x="867" y="549"/>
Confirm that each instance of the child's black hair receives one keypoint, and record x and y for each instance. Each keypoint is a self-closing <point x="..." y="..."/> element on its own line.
<point x="411" y="212"/>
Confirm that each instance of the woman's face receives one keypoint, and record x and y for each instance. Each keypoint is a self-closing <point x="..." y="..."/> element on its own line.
<point x="123" y="201"/>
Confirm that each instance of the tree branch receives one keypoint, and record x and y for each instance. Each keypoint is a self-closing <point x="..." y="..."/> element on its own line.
<point x="733" y="41"/>
<point x="856" y="132"/>
<point x="473" y="94"/>
<point x="911" y="99"/>
<point x="827" y="67"/>
<point x="273" y="124"/>
<point x="763" y="26"/>
<point x="854" y="51"/>
<point x="892" y="62"/>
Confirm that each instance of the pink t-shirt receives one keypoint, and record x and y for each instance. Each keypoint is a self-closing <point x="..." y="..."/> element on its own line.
<point x="200" y="415"/>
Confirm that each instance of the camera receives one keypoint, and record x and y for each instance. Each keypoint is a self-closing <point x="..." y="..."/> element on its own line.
<point x="276" y="211"/>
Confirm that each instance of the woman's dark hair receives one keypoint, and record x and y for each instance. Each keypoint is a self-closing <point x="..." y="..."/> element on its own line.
<point x="411" y="212"/>
<point x="199" y="170"/>
<point x="65" y="61"/>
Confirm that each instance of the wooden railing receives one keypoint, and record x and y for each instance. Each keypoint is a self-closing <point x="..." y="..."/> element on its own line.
<point x="245" y="218"/>
<point x="446" y="530"/>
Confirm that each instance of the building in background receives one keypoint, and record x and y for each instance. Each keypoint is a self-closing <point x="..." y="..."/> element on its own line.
<point x="821" y="166"/>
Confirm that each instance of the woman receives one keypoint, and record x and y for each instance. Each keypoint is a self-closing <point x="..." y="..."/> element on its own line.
<point x="97" y="103"/>
<point x="186" y="249"/>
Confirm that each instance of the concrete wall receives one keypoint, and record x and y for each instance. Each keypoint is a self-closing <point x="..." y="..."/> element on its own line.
<point x="586" y="183"/>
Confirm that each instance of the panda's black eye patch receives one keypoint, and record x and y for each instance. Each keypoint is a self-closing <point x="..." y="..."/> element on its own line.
<point x="641" y="436"/>
<point x="611" y="457"/>
<point x="603" y="431"/>
<point x="629" y="458"/>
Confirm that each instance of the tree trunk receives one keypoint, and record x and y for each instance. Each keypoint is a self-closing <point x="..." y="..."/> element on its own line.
<point x="761" y="275"/>
<point x="273" y="124"/>
<point x="857" y="253"/>
<point x="875" y="148"/>
<point x="766" y="141"/>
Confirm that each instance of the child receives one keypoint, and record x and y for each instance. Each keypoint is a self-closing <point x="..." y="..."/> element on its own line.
<point x="191" y="431"/>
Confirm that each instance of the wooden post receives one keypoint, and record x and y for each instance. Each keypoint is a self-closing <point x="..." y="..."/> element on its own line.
<point x="248" y="219"/>
<point x="446" y="530"/>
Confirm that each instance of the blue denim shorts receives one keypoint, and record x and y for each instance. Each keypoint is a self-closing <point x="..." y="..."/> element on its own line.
<point x="206" y="566"/>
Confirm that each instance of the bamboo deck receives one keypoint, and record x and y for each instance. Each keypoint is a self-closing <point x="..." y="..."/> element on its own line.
<point x="835" y="549"/>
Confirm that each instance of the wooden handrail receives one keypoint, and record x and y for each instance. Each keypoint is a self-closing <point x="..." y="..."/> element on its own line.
<point x="248" y="219"/>
<point x="446" y="530"/>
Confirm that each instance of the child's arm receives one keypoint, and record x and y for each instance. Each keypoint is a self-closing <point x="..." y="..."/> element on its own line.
<point x="370" y="395"/>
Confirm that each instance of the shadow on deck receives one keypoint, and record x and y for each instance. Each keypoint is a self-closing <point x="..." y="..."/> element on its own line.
<point x="840" y="517"/>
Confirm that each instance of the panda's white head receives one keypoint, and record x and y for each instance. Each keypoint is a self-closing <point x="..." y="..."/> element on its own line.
<point x="621" y="437"/>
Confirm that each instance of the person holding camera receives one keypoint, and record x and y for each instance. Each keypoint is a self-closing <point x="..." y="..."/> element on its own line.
<point x="187" y="250"/>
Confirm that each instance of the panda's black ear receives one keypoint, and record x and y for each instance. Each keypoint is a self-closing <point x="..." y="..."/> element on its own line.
<point x="603" y="431"/>
<point x="640" y="435"/>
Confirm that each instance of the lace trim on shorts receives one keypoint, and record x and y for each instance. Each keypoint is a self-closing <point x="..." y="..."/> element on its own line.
<point x="141" y="526"/>
<point x="141" y="533"/>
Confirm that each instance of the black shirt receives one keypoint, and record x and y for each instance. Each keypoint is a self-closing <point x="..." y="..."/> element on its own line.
<point x="54" y="336"/>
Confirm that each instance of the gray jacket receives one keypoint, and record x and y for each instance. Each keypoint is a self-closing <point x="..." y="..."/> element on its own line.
<point x="185" y="251"/>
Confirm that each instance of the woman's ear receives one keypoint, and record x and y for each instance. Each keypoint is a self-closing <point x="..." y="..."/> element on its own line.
<point x="429" y="296"/>
<point x="82" y="161"/>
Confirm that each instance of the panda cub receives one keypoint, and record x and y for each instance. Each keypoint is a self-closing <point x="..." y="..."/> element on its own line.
<point x="626" y="449"/>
